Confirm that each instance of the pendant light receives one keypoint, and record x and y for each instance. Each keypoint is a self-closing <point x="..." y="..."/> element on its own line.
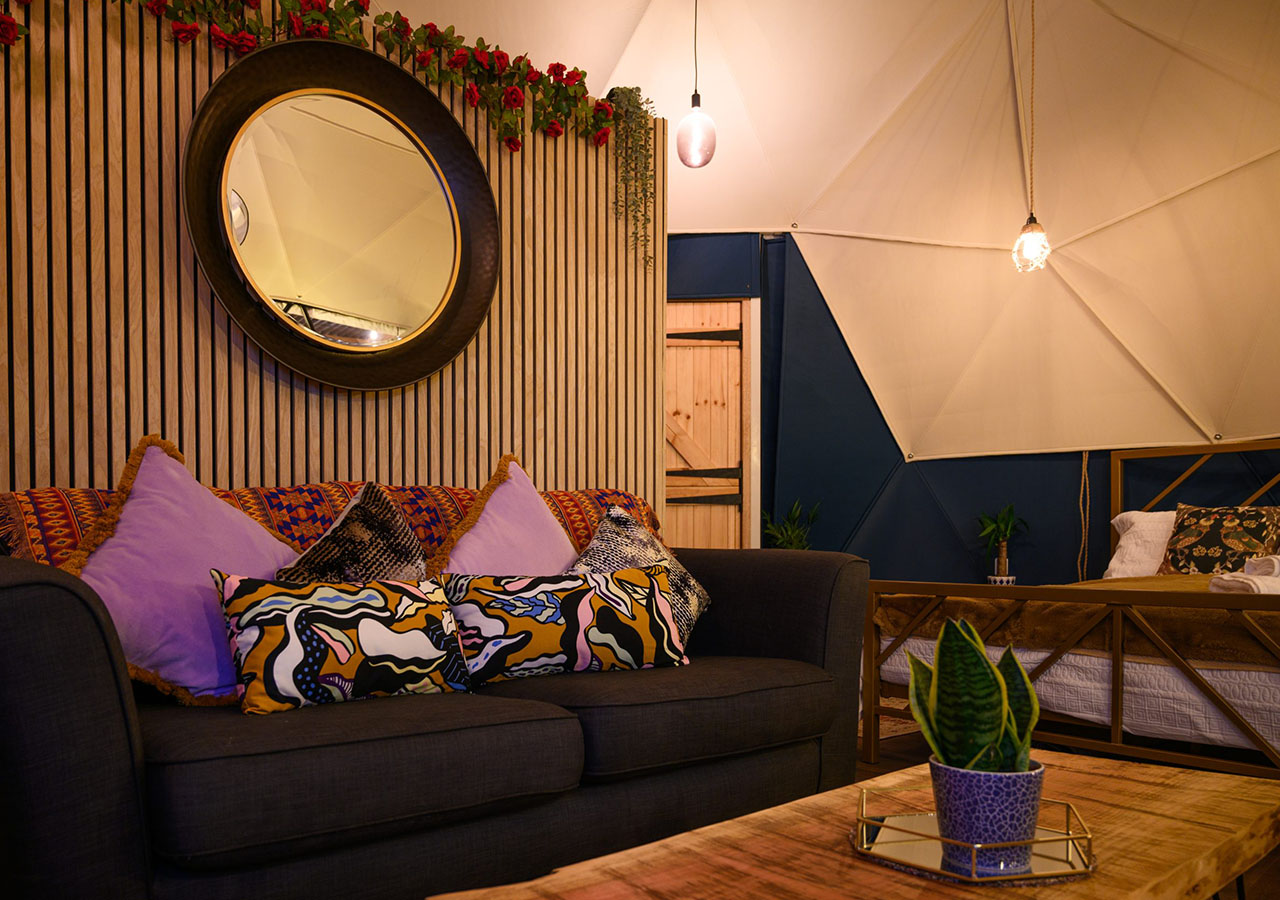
<point x="1031" y="250"/>
<point x="696" y="134"/>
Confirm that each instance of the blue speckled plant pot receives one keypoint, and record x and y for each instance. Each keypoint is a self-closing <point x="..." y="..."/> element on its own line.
<point x="986" y="808"/>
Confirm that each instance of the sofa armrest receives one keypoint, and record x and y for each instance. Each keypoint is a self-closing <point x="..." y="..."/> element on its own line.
<point x="806" y="605"/>
<point x="71" y="753"/>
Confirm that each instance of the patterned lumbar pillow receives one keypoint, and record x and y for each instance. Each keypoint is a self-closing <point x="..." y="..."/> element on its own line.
<point x="513" y="626"/>
<point x="148" y="557"/>
<point x="621" y="542"/>
<point x="370" y="541"/>
<point x="303" y="644"/>
<point x="1214" y="540"/>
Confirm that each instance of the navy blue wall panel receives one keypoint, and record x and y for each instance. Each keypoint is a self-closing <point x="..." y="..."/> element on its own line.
<point x="824" y="440"/>
<point x="700" y="266"/>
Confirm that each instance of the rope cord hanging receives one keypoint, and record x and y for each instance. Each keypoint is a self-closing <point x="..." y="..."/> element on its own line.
<point x="1032" y="160"/>
<point x="1082" y="558"/>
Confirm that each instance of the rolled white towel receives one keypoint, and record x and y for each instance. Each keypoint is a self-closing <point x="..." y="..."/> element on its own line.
<point x="1262" y="565"/>
<point x="1240" y="583"/>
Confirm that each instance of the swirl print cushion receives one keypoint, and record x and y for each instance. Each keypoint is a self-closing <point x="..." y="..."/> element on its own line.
<point x="514" y="626"/>
<point x="621" y="542"/>
<point x="304" y="644"/>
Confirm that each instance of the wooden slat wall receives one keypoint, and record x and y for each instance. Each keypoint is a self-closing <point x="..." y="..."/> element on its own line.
<point x="109" y="332"/>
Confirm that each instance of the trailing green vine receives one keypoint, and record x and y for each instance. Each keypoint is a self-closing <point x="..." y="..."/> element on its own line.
<point x="633" y="121"/>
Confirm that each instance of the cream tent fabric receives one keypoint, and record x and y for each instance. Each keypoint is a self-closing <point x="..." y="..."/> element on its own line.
<point x="892" y="139"/>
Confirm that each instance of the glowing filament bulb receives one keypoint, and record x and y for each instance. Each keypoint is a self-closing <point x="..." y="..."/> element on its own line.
<point x="696" y="137"/>
<point x="1032" y="249"/>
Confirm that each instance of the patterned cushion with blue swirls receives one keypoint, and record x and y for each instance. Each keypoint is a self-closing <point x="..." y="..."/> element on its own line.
<point x="515" y="626"/>
<point x="304" y="644"/>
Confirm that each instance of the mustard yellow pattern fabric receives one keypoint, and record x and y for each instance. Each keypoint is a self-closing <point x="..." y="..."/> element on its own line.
<point x="302" y="644"/>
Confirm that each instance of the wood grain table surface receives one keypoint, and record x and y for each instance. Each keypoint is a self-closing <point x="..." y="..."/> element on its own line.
<point x="1159" y="832"/>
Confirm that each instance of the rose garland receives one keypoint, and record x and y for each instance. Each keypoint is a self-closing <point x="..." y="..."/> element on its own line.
<point x="489" y="77"/>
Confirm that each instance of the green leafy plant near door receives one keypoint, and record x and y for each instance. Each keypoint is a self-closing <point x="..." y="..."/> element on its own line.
<point x="791" y="532"/>
<point x="973" y="713"/>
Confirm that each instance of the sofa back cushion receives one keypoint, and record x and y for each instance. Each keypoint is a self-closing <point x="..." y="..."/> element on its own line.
<point x="45" y="525"/>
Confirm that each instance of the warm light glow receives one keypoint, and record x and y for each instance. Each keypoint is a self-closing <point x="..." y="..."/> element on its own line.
<point x="1032" y="247"/>
<point x="696" y="137"/>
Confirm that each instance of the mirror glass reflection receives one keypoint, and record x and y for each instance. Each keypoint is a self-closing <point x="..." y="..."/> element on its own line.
<point x="354" y="238"/>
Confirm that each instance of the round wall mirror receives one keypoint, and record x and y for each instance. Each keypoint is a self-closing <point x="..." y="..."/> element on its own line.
<point x="372" y="256"/>
<point x="360" y="269"/>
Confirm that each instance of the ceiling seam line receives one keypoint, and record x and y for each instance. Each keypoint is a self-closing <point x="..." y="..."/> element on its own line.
<point x="898" y="239"/>
<point x="1180" y="192"/>
<point x="627" y="46"/>
<point x="1133" y="355"/>
<point x="945" y="58"/>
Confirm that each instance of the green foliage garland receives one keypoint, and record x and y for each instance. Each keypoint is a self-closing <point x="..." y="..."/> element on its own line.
<point x="633" y="118"/>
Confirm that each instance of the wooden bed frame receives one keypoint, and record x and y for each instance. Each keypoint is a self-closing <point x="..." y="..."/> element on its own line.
<point x="1112" y="609"/>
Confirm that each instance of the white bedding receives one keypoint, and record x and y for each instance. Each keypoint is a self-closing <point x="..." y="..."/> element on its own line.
<point x="1159" y="701"/>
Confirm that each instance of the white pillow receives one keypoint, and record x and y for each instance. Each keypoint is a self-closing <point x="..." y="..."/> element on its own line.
<point x="1144" y="536"/>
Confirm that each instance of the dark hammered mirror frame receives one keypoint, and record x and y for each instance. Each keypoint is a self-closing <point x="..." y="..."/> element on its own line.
<point x="301" y="66"/>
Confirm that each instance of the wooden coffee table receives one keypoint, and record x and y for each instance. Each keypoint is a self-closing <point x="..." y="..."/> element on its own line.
<point x="1159" y="832"/>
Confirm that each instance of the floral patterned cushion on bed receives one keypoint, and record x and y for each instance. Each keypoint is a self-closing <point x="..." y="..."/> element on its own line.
<point x="304" y="644"/>
<point x="515" y="626"/>
<point x="1214" y="540"/>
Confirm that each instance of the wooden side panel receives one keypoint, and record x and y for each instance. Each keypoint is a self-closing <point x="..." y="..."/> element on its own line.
<point x="108" y="331"/>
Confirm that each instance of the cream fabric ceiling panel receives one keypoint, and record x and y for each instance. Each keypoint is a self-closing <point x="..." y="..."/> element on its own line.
<point x="892" y="138"/>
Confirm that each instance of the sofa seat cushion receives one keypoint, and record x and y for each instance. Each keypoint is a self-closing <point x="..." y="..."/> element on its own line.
<point x="229" y="789"/>
<point x="638" y="721"/>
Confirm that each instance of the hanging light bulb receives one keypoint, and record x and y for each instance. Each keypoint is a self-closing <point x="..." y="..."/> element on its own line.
<point x="696" y="136"/>
<point x="1031" y="249"/>
<point x="696" y="133"/>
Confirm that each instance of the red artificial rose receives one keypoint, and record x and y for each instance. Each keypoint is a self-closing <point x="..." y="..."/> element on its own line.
<point x="8" y="30"/>
<point x="472" y="94"/>
<point x="402" y="26"/>
<point x="253" y="4"/>
<point x="533" y="75"/>
<point x="157" y="7"/>
<point x="601" y="137"/>
<point x="604" y="108"/>
<point x="24" y="2"/>
<point x="185" y="32"/>
<point x="519" y="59"/>
<point x="221" y="39"/>
<point x="500" y="61"/>
<point x="513" y="144"/>
<point x="459" y="58"/>
<point x="573" y="77"/>
<point x="433" y="33"/>
<point x="556" y="71"/>
<point x="482" y="57"/>
<point x="513" y="98"/>
<point x="245" y="42"/>
<point x="424" y="57"/>
<point x="295" y="24"/>
<point x="315" y="6"/>
<point x="320" y="31"/>
<point x="555" y="129"/>
<point x="363" y="4"/>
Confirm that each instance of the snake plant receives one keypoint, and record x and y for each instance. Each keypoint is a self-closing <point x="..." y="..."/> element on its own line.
<point x="974" y="714"/>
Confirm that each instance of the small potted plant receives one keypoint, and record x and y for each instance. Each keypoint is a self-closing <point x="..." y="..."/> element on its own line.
<point x="978" y="718"/>
<point x="999" y="530"/>
<point x="792" y="531"/>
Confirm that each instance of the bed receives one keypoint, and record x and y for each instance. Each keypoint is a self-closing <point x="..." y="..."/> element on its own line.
<point x="1154" y="667"/>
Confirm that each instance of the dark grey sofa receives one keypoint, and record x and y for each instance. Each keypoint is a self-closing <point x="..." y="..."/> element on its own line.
<point x="110" y="794"/>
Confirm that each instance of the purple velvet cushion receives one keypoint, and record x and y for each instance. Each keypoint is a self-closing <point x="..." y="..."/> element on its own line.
<point x="152" y="572"/>
<point x="515" y="534"/>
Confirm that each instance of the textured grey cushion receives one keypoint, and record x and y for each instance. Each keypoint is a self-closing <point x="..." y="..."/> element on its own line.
<point x="230" y="789"/>
<point x="716" y="706"/>
<point x="370" y="541"/>
<point x="620" y="542"/>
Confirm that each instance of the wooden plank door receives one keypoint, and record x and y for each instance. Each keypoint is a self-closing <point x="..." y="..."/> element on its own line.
<point x="707" y="421"/>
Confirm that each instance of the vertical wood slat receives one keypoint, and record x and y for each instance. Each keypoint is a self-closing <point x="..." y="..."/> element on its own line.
<point x="109" y="331"/>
